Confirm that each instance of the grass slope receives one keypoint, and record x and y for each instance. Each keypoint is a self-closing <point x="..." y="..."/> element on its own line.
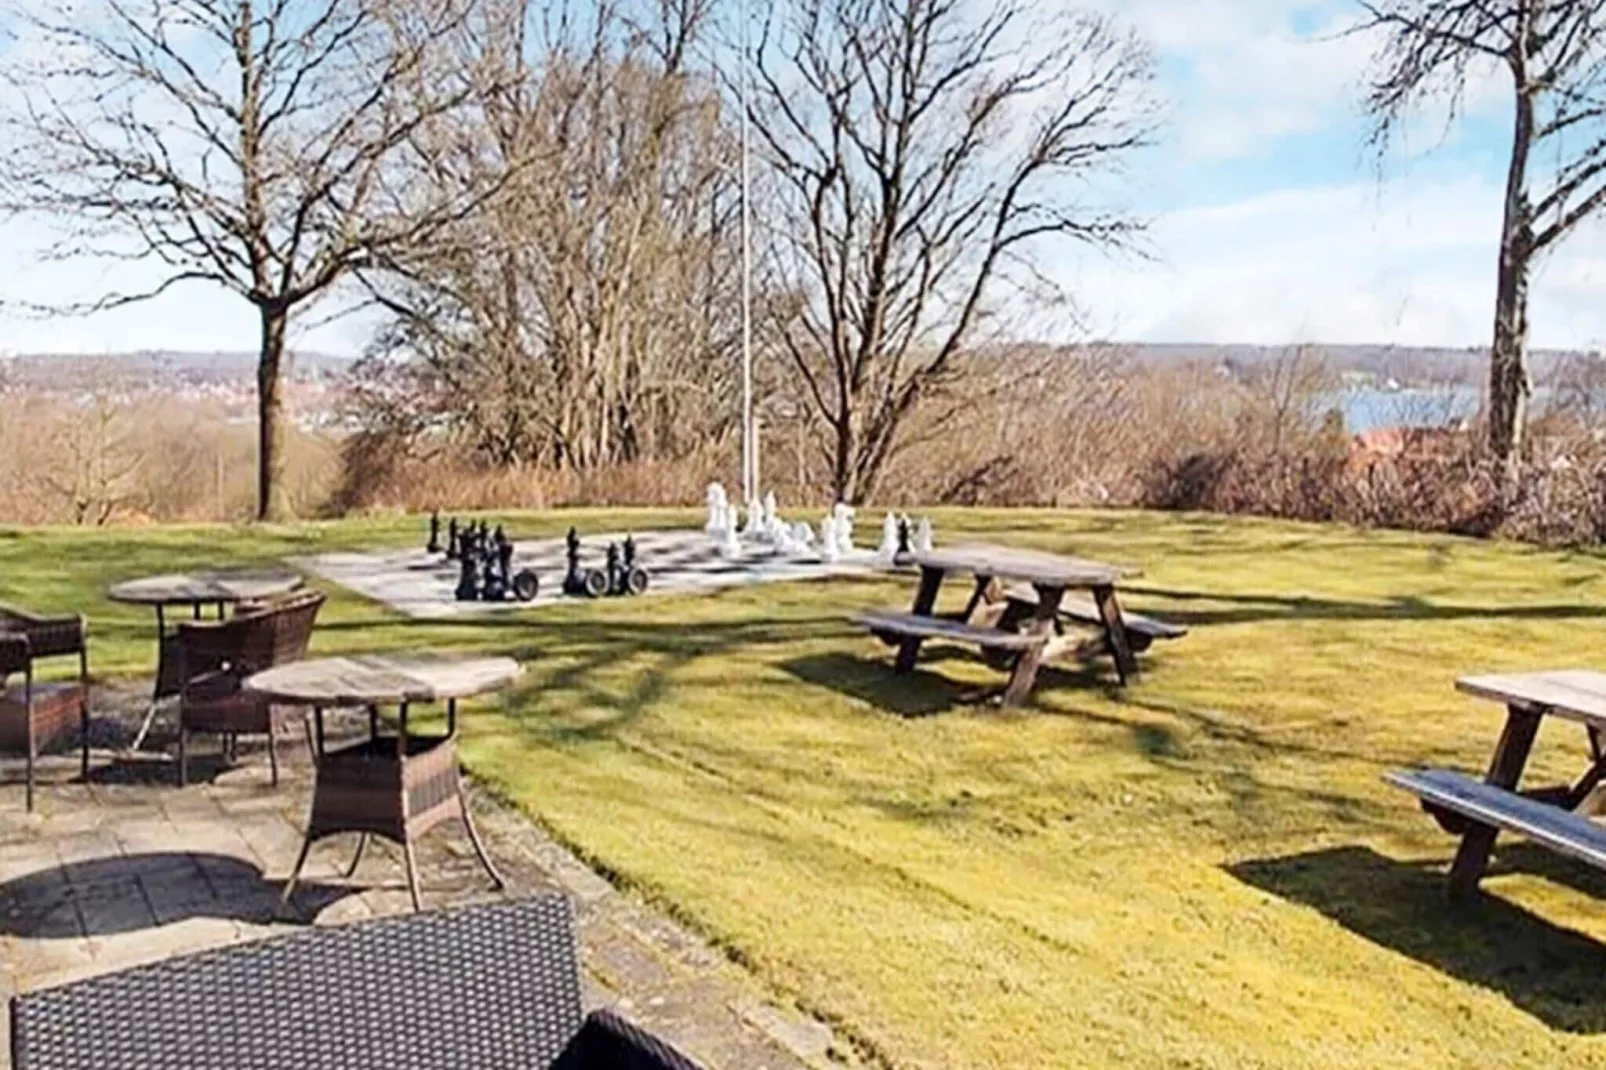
<point x="1204" y="870"/>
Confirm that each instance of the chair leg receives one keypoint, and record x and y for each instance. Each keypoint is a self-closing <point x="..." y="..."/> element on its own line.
<point x="295" y="874"/>
<point x="356" y="859"/>
<point x="479" y="845"/>
<point x="83" y="729"/>
<point x="273" y="755"/>
<point x="412" y="872"/>
<point x="183" y="754"/>
<point x="31" y="750"/>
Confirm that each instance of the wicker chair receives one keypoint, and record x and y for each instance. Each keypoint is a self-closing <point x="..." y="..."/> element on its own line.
<point x="36" y="715"/>
<point x="215" y="657"/>
<point x="493" y="987"/>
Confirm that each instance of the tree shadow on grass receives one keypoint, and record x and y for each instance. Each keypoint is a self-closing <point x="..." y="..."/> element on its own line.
<point x="1257" y="608"/>
<point x="1551" y="972"/>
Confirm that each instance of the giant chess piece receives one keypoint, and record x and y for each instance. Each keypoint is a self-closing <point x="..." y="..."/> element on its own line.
<point x="923" y="537"/>
<point x="434" y="546"/>
<point x="498" y="568"/>
<point x="730" y="545"/>
<point x="754" y="528"/>
<point x="454" y="545"/>
<point x="843" y="514"/>
<point x="901" y="555"/>
<point x="830" y="545"/>
<point x="573" y="582"/>
<point x="635" y="577"/>
<point x="718" y="510"/>
<point x="887" y="552"/>
<point x="468" y="575"/>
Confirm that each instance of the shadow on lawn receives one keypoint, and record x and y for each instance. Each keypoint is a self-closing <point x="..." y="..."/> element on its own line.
<point x="1255" y="608"/>
<point x="1551" y="972"/>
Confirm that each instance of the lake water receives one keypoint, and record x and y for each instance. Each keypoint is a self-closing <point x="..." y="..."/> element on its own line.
<point x="1365" y="410"/>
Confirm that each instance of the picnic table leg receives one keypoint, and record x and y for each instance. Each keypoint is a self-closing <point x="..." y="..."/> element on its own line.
<point x="925" y="601"/>
<point x="1126" y="665"/>
<point x="981" y="593"/>
<point x="1510" y="756"/>
<point x="1024" y="676"/>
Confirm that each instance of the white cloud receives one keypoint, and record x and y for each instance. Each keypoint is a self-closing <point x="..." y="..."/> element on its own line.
<point x="1358" y="263"/>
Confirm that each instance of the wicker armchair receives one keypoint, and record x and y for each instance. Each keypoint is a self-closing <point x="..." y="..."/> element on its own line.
<point x="36" y="715"/>
<point x="494" y="987"/>
<point x="215" y="657"/>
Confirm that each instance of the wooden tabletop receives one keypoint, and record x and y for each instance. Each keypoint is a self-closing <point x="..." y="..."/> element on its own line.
<point x="1576" y="694"/>
<point x="381" y="679"/>
<point x="205" y="587"/>
<point x="1027" y="566"/>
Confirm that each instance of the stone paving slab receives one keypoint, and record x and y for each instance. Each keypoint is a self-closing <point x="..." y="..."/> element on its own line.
<point x="128" y="869"/>
<point x="422" y="585"/>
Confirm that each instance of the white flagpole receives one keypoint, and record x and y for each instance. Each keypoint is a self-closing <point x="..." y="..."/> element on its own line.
<point x="749" y="431"/>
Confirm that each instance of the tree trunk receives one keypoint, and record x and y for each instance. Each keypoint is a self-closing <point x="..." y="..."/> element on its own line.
<point x="271" y="504"/>
<point x="1508" y="370"/>
<point x="842" y="468"/>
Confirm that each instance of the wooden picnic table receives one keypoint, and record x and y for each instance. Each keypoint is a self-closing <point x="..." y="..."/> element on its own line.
<point x="1022" y="635"/>
<point x="397" y="785"/>
<point x="195" y="590"/>
<point x="1556" y="816"/>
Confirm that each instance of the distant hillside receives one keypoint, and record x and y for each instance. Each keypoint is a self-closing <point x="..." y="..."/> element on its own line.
<point x="151" y="367"/>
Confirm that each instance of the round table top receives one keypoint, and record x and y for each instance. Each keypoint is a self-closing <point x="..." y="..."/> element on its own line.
<point x="376" y="679"/>
<point x="205" y="587"/>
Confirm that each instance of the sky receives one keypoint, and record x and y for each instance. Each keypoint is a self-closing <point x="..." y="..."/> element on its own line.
<point x="1271" y="221"/>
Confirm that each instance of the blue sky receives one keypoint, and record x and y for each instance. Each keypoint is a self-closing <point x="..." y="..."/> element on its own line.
<point x="1271" y="223"/>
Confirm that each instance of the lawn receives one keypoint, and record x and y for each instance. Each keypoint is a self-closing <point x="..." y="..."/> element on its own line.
<point x="1204" y="870"/>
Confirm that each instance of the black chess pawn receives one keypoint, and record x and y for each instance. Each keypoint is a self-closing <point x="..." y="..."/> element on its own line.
<point x="901" y="557"/>
<point x="634" y="576"/>
<point x="493" y="584"/>
<point x="434" y="546"/>
<point x="616" y="575"/>
<point x="454" y="540"/>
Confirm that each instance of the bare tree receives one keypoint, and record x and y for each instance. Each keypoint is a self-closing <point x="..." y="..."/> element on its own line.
<point x="579" y="318"/>
<point x="924" y="153"/>
<point x="1556" y="176"/>
<point x="252" y="144"/>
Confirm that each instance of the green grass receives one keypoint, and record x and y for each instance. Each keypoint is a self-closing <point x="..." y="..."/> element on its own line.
<point x="1204" y="870"/>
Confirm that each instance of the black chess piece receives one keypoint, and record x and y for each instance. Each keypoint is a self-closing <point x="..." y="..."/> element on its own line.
<point x="526" y="585"/>
<point x="454" y="540"/>
<point x="901" y="556"/>
<point x="616" y="576"/>
<point x="634" y="576"/>
<point x="573" y="582"/>
<point x="468" y="574"/>
<point x="434" y="546"/>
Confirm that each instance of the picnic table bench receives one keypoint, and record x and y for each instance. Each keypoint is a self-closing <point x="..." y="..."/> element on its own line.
<point x="1141" y="631"/>
<point x="1015" y="634"/>
<point x="1557" y="817"/>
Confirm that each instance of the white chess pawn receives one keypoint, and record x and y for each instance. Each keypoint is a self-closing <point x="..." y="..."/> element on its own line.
<point x="923" y="536"/>
<point x="830" y="545"/>
<point x="755" y="521"/>
<point x="717" y="506"/>
<point x="803" y="535"/>
<point x="844" y="528"/>
<point x="730" y="546"/>
<point x="889" y="540"/>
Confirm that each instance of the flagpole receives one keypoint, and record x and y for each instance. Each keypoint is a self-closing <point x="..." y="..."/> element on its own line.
<point x="749" y="431"/>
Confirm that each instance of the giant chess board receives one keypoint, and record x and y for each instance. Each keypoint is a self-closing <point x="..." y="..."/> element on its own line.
<point x="422" y="585"/>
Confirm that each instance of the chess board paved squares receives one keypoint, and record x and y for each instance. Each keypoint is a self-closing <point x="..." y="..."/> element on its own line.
<point x="422" y="585"/>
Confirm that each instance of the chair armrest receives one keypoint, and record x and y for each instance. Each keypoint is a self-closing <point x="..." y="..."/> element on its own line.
<point x="608" y="1042"/>
<point x="48" y="636"/>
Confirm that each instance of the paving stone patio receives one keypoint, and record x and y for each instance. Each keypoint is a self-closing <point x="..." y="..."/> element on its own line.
<point x="127" y="868"/>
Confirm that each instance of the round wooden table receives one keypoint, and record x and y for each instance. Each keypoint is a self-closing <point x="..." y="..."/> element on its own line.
<point x="399" y="785"/>
<point x="196" y="590"/>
